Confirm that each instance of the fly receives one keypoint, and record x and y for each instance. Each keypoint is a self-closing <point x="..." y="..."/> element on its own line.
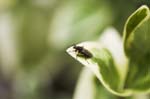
<point x="82" y="52"/>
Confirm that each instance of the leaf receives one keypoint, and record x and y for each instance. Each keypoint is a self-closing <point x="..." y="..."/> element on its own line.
<point x="85" y="86"/>
<point x="103" y="65"/>
<point x="137" y="48"/>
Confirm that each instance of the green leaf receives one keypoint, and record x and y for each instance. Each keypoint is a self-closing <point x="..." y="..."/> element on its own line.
<point x="103" y="66"/>
<point x="134" y="22"/>
<point x="137" y="48"/>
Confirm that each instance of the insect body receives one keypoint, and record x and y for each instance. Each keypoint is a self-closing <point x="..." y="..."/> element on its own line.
<point x="82" y="52"/>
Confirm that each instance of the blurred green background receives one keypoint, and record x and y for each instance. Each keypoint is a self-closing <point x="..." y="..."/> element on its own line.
<point x="34" y="35"/>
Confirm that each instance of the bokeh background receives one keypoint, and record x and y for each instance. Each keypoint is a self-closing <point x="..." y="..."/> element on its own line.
<point x="34" y="35"/>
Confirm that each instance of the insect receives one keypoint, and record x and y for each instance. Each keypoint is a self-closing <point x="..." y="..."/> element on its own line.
<point x="82" y="52"/>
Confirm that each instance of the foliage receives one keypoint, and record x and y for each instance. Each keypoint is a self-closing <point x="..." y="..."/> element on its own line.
<point x="122" y="70"/>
